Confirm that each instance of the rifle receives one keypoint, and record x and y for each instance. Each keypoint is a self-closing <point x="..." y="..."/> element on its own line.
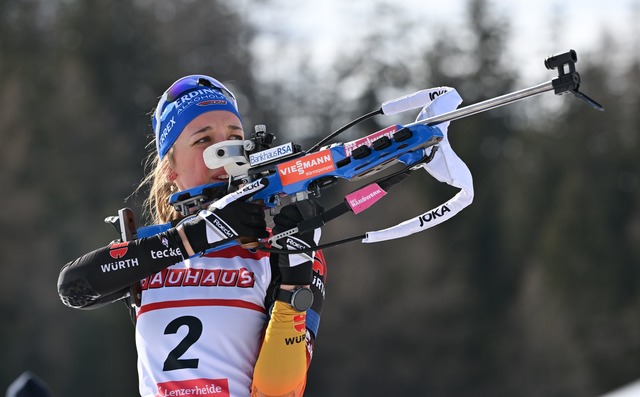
<point x="125" y="224"/>
<point x="293" y="174"/>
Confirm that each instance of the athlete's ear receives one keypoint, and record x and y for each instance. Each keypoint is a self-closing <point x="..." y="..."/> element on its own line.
<point x="171" y="175"/>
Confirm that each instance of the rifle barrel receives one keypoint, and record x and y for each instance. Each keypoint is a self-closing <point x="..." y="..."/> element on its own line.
<point x="486" y="105"/>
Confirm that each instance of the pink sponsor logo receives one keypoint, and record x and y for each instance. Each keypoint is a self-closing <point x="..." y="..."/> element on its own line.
<point x="194" y="387"/>
<point x="364" y="198"/>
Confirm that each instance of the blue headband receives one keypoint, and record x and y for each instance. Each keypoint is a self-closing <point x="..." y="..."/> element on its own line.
<point x="186" y="99"/>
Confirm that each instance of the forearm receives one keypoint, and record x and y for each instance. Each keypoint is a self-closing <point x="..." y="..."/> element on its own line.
<point x="113" y="268"/>
<point x="282" y="364"/>
<point x="282" y="367"/>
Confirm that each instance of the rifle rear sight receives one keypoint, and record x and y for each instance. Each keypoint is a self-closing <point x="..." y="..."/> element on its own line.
<point x="260" y="140"/>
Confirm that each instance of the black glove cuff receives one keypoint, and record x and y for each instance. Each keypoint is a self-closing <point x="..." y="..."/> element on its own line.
<point x="196" y="231"/>
<point x="298" y="275"/>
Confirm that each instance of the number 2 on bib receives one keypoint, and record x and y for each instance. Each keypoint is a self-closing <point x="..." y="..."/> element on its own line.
<point x="194" y="332"/>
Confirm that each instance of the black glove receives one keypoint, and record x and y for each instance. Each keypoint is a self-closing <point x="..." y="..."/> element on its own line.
<point x="227" y="219"/>
<point x="296" y="269"/>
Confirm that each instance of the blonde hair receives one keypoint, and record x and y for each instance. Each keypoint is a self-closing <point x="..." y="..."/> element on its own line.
<point x="156" y="206"/>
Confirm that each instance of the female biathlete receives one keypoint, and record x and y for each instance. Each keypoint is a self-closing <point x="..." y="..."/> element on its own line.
<point x="229" y="322"/>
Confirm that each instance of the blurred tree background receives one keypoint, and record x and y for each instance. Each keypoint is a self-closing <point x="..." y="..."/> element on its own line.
<point x="532" y="290"/>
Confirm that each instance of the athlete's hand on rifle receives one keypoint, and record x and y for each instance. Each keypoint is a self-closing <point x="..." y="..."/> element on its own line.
<point x="296" y="269"/>
<point x="228" y="219"/>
